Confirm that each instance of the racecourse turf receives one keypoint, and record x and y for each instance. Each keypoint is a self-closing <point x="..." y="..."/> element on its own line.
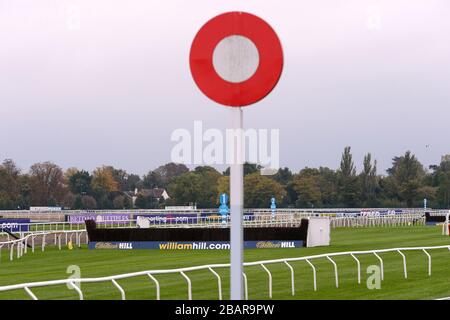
<point x="53" y="263"/>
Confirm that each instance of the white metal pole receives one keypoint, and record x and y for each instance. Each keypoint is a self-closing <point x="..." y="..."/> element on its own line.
<point x="236" y="207"/>
<point x="446" y="230"/>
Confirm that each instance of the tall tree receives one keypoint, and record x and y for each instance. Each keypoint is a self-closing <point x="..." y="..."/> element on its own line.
<point x="125" y="180"/>
<point x="306" y="184"/>
<point x="104" y="186"/>
<point x="440" y="178"/>
<point x="80" y="182"/>
<point x="348" y="189"/>
<point x="369" y="182"/>
<point x="258" y="190"/>
<point x="407" y="173"/>
<point x="153" y="180"/>
<point x="103" y="181"/>
<point x="249" y="168"/>
<point x="283" y="176"/>
<point x="186" y="188"/>
<point x="163" y="175"/>
<point x="9" y="185"/>
<point x="47" y="185"/>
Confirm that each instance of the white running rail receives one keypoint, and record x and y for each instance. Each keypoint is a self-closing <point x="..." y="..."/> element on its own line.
<point x="22" y="245"/>
<point x="183" y="272"/>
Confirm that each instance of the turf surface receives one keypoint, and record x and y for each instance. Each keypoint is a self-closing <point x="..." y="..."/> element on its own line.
<point x="52" y="264"/>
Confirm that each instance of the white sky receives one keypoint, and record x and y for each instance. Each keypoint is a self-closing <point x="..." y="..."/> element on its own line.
<point x="91" y="82"/>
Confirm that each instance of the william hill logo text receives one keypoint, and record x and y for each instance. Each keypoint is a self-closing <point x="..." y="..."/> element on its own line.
<point x="271" y="244"/>
<point x="126" y="245"/>
<point x="194" y="246"/>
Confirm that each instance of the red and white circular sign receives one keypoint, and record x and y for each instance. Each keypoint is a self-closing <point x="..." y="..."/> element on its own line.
<point x="236" y="59"/>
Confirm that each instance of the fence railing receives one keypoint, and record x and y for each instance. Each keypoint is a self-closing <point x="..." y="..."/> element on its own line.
<point x="60" y="216"/>
<point x="256" y="220"/>
<point x="40" y="239"/>
<point x="75" y="283"/>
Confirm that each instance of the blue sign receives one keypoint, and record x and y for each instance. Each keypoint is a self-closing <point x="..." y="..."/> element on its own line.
<point x="273" y="207"/>
<point x="248" y="216"/>
<point x="193" y="245"/>
<point x="224" y="211"/>
<point x="14" y="225"/>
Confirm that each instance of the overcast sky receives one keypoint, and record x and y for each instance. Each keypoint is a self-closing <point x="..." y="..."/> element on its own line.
<point x="91" y="82"/>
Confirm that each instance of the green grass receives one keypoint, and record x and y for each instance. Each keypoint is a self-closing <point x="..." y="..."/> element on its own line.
<point x="52" y="265"/>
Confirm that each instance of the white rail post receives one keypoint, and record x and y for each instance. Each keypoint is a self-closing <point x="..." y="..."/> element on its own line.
<point x="30" y="293"/>
<point x="429" y="261"/>
<point x="43" y="242"/>
<point x="219" y="282"/>
<point x="11" y="252"/>
<point x="189" y="285"/>
<point x="405" y="271"/>
<point x="292" y="278"/>
<point x="359" y="268"/>
<point x="381" y="264"/>
<point x="314" y="274"/>
<point x="77" y="289"/>
<point x="158" y="297"/>
<point x="245" y="285"/>
<point x="335" y="271"/>
<point x="270" y="280"/>
<point x="122" y="292"/>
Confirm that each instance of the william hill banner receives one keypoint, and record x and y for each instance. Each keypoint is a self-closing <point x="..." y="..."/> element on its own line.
<point x="194" y="245"/>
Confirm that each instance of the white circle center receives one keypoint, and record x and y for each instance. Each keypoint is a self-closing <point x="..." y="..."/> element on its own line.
<point x="235" y="58"/>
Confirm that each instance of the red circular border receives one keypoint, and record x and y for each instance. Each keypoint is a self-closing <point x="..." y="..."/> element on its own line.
<point x="266" y="75"/>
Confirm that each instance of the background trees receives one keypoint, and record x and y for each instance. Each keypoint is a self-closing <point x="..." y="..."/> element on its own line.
<point x="10" y="185"/>
<point x="47" y="184"/>
<point x="347" y="181"/>
<point x="405" y="184"/>
<point x="407" y="175"/>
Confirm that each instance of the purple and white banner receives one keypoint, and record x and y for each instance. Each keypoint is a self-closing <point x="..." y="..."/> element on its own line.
<point x="98" y="218"/>
<point x="170" y="218"/>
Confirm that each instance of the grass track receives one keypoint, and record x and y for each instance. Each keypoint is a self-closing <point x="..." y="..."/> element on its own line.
<point x="52" y="265"/>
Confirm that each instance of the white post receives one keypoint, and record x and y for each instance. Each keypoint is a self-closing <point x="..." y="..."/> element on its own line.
<point x="236" y="207"/>
<point x="446" y="224"/>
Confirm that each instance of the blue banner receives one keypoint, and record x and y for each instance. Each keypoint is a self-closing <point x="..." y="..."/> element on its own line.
<point x="14" y="225"/>
<point x="248" y="216"/>
<point x="193" y="245"/>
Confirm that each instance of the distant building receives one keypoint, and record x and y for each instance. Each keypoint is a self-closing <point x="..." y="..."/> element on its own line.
<point x="159" y="194"/>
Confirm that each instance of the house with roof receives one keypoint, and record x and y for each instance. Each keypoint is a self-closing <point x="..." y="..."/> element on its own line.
<point x="159" y="194"/>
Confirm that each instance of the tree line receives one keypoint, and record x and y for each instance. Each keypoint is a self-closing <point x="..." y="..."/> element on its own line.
<point x="405" y="184"/>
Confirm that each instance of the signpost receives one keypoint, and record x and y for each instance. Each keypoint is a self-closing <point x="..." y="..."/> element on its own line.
<point x="224" y="211"/>
<point x="273" y="207"/>
<point x="236" y="60"/>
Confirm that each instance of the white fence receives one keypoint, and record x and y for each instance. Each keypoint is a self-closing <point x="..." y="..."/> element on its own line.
<point x="74" y="283"/>
<point x="21" y="245"/>
<point x="60" y="216"/>
<point x="259" y="220"/>
<point x="378" y="221"/>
